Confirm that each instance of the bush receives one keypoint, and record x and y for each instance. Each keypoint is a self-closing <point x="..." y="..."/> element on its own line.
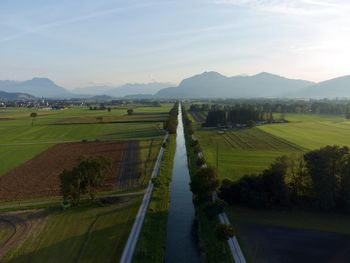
<point x="225" y="231"/>
<point x="251" y="124"/>
<point x="213" y="209"/>
<point x="204" y="183"/>
<point x="200" y="161"/>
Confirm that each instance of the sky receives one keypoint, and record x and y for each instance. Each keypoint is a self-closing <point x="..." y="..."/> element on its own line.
<point x="109" y="42"/>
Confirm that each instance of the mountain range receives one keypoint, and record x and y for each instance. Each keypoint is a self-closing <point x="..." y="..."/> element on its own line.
<point x="38" y="87"/>
<point x="124" y="90"/>
<point x="205" y="85"/>
<point x="214" y="85"/>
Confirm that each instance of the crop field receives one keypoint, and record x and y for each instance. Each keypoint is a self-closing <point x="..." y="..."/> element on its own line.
<point x="312" y="131"/>
<point x="249" y="151"/>
<point x="20" y="141"/>
<point x="32" y="157"/>
<point x="89" y="233"/>
<point x="40" y="176"/>
<point x="243" y="151"/>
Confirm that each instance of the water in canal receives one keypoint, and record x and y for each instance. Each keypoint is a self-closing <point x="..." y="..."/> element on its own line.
<point x="180" y="246"/>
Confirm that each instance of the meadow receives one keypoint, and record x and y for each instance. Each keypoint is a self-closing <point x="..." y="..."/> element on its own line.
<point x="247" y="151"/>
<point x="88" y="233"/>
<point x="20" y="141"/>
<point x="312" y="131"/>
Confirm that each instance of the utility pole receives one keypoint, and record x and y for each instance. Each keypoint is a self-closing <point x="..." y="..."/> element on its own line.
<point x="217" y="156"/>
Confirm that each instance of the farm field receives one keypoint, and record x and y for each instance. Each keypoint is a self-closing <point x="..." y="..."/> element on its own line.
<point x="32" y="157"/>
<point x="39" y="177"/>
<point x="312" y="131"/>
<point x="252" y="150"/>
<point x="20" y="141"/>
<point x="89" y="233"/>
<point x="282" y="236"/>
<point x="243" y="151"/>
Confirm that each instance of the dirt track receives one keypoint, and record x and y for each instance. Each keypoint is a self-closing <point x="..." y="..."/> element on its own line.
<point x="39" y="176"/>
<point x="21" y="223"/>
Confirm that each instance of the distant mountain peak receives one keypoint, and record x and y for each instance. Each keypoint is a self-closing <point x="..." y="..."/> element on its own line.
<point x="39" y="87"/>
<point x="214" y="85"/>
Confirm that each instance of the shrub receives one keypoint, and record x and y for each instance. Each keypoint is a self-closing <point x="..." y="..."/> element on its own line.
<point x="224" y="231"/>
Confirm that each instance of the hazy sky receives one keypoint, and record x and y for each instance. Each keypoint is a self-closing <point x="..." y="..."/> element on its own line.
<point x="84" y="42"/>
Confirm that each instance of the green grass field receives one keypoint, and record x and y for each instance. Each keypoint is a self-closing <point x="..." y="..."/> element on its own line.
<point x="312" y="131"/>
<point x="20" y="141"/>
<point x="89" y="233"/>
<point x="252" y="150"/>
<point x="243" y="151"/>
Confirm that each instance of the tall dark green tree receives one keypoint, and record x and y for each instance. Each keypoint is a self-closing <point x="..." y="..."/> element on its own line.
<point x="85" y="178"/>
<point x="204" y="183"/>
<point x="325" y="168"/>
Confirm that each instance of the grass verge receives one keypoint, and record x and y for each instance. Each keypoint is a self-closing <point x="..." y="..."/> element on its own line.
<point x="151" y="244"/>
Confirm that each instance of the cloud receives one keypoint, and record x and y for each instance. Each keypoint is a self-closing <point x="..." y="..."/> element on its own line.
<point x="295" y="7"/>
<point x="36" y="29"/>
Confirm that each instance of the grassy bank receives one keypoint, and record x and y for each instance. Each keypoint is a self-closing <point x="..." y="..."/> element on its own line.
<point x="151" y="244"/>
<point x="212" y="248"/>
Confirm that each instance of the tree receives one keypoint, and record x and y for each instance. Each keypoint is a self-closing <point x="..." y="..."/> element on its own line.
<point x="325" y="168"/>
<point x="344" y="191"/>
<point x="299" y="181"/>
<point x="204" y="183"/>
<point x="212" y="209"/>
<point x="33" y="115"/>
<point x="275" y="184"/>
<point x="109" y="109"/>
<point x="224" y="231"/>
<point x="85" y="178"/>
<point x="130" y="111"/>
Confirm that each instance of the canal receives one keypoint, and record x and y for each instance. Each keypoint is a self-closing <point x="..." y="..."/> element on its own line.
<point x="180" y="245"/>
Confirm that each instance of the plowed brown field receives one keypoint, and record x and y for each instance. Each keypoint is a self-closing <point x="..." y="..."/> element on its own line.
<point x="39" y="177"/>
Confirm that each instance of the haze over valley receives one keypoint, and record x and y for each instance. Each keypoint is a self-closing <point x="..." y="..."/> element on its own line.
<point x="175" y="131"/>
<point x="205" y="85"/>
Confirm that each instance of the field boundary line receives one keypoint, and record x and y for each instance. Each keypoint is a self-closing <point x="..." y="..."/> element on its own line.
<point x="130" y="246"/>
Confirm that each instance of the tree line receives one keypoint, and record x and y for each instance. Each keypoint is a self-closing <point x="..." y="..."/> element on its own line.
<point x="335" y="107"/>
<point x="204" y="183"/>
<point x="237" y="115"/>
<point x="171" y="123"/>
<point x="320" y="179"/>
